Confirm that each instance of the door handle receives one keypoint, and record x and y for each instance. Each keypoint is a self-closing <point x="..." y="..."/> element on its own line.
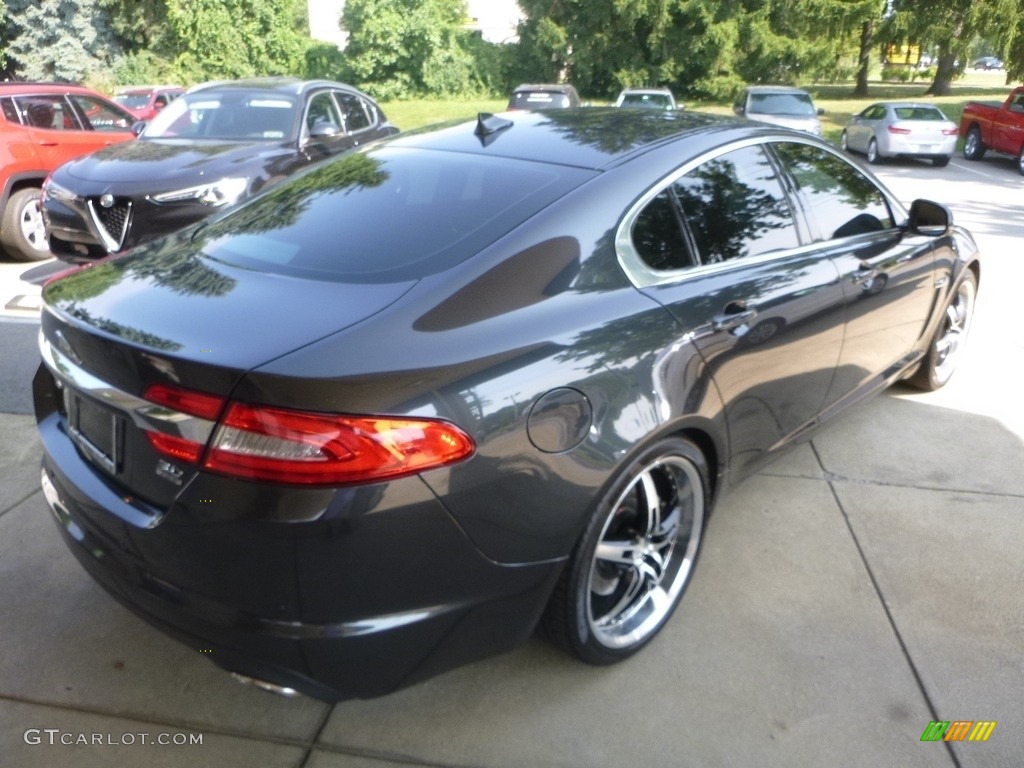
<point x="865" y="275"/>
<point x="735" y="315"/>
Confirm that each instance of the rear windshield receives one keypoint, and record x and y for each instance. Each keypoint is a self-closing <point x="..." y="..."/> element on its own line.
<point x="539" y="100"/>
<point x="793" y="104"/>
<point x="648" y="100"/>
<point x="918" y="113"/>
<point x="385" y="215"/>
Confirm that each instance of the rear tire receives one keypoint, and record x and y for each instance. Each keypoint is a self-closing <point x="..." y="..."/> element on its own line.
<point x="974" y="147"/>
<point x="940" y="162"/>
<point x="21" y="230"/>
<point x="873" y="157"/>
<point x="635" y="558"/>
<point x="1020" y="161"/>
<point x="844" y="142"/>
<point x="947" y="344"/>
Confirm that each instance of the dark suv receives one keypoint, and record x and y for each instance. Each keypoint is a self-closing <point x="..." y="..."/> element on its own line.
<point x="217" y="144"/>
<point x="544" y="96"/>
<point x="43" y="125"/>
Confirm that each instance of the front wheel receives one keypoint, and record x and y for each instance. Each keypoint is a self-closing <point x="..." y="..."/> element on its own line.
<point x="21" y="230"/>
<point x="1020" y="161"/>
<point x="948" y="343"/>
<point x="844" y="142"/>
<point x="974" y="147"/>
<point x="635" y="558"/>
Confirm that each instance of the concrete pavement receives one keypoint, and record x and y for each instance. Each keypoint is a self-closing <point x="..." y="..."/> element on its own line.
<point x="866" y="584"/>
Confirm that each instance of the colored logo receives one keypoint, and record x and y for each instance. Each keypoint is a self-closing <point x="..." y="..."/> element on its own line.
<point x="958" y="730"/>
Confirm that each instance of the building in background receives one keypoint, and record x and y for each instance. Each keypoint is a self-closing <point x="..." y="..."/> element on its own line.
<point x="495" y="20"/>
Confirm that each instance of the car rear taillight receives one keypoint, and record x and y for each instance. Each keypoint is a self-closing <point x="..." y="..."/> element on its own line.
<point x="950" y="131"/>
<point x="256" y="442"/>
<point x="897" y="129"/>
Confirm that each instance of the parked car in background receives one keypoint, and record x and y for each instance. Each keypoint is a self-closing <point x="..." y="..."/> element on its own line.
<point x="382" y="419"/>
<point x="43" y="125"/>
<point x="647" y="98"/>
<point x="997" y="126"/>
<point x="145" y="101"/>
<point x="988" y="62"/>
<point x="216" y="145"/>
<point x="779" y="105"/>
<point x="901" y="129"/>
<point x="544" y="96"/>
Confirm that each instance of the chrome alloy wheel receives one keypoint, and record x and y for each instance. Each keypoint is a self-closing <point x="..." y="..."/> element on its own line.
<point x="645" y="553"/>
<point x="955" y="325"/>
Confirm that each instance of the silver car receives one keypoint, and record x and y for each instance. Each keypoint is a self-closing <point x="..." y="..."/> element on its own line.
<point x="901" y="129"/>
<point x="779" y="105"/>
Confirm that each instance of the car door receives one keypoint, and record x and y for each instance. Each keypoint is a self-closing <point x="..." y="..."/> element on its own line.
<point x="728" y="258"/>
<point x="862" y="128"/>
<point x="887" y="276"/>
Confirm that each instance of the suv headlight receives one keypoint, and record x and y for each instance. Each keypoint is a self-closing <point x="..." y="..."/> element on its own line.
<point x="214" y="194"/>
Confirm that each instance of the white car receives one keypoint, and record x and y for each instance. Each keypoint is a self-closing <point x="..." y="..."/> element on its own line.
<point x="647" y="98"/>
<point x="779" y="105"/>
<point x="901" y="129"/>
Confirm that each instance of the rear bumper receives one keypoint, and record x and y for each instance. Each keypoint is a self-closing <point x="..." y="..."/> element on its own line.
<point x="439" y="603"/>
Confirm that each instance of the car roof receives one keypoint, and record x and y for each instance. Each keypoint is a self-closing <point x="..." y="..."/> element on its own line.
<point x="902" y="104"/>
<point x="647" y="90"/>
<point x="17" y="87"/>
<point x="594" y="137"/>
<point x="774" y="89"/>
<point x="148" y="88"/>
<point x="290" y="85"/>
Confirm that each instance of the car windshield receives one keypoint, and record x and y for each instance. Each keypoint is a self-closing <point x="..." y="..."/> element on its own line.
<point x="793" y="104"/>
<point x="227" y="114"/>
<point x="647" y="100"/>
<point x="918" y="113"/>
<point x="132" y="100"/>
<point x="338" y="221"/>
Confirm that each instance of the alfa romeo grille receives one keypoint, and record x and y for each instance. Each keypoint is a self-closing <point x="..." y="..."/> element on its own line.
<point x="112" y="222"/>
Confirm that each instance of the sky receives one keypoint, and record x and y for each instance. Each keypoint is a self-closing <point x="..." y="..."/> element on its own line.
<point x="497" y="19"/>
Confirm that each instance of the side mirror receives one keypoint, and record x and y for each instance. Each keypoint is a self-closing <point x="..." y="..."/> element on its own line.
<point x="739" y="109"/>
<point x="928" y="218"/>
<point x="323" y="129"/>
<point x="820" y="111"/>
<point x="139" y="126"/>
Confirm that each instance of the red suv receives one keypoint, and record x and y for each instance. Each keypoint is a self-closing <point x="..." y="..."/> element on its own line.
<point x="145" y="101"/>
<point x="42" y="126"/>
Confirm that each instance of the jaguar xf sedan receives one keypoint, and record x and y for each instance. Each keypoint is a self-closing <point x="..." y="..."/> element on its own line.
<point x="901" y="129"/>
<point x="399" y="411"/>
<point x="216" y="145"/>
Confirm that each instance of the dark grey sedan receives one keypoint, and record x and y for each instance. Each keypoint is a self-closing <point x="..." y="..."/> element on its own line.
<point x="393" y="414"/>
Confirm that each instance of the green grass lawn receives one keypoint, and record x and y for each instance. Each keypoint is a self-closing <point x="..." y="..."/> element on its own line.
<point x="836" y="100"/>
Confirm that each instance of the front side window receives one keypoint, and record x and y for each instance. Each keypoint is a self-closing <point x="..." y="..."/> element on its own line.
<point x="100" y="116"/>
<point x="840" y="200"/>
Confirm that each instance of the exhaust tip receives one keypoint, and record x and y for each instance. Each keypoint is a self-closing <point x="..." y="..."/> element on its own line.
<point x="264" y="685"/>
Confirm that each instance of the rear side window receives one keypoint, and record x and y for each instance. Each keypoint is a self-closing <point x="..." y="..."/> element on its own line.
<point x="9" y="110"/>
<point x="840" y="200"/>
<point x="386" y="215"/>
<point x="729" y="207"/>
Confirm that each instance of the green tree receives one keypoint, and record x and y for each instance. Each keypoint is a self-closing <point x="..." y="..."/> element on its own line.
<point x="401" y="48"/>
<point x="235" y="38"/>
<point x="949" y="26"/>
<point x="61" y="40"/>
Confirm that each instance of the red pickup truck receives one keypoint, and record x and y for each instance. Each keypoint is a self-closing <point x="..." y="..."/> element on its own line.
<point x="991" y="125"/>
